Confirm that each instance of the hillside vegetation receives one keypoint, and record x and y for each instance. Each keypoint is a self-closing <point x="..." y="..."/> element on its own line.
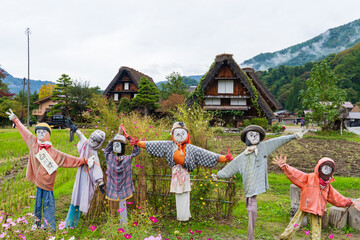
<point x="285" y="82"/>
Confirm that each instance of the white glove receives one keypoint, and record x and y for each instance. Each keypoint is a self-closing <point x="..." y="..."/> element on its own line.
<point x="90" y="161"/>
<point x="215" y="177"/>
<point x="11" y="115"/>
<point x="300" y="134"/>
<point x="356" y="204"/>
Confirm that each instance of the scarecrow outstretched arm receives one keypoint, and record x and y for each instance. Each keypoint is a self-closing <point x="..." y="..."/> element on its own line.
<point x="230" y="169"/>
<point x="271" y="145"/>
<point x="28" y="137"/>
<point x="80" y="135"/>
<point x="296" y="176"/>
<point x="338" y="200"/>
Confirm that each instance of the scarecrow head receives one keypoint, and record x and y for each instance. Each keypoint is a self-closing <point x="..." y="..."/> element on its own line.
<point x="96" y="139"/>
<point x="252" y="135"/>
<point x="326" y="168"/>
<point x="180" y="133"/>
<point x="119" y="142"/>
<point x="43" y="131"/>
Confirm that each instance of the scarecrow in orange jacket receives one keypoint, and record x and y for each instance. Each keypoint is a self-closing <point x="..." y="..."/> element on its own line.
<point x="182" y="158"/>
<point x="316" y="192"/>
<point x="42" y="167"/>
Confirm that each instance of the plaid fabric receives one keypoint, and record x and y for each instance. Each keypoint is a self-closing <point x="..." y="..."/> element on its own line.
<point x="252" y="168"/>
<point x="119" y="174"/>
<point x="193" y="155"/>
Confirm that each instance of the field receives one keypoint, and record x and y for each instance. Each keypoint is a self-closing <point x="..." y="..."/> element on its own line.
<point x="273" y="206"/>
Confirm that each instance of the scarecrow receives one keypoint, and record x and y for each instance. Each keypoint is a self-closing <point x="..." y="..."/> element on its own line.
<point x="252" y="165"/>
<point x="316" y="191"/>
<point x="86" y="179"/>
<point x="119" y="185"/>
<point x="42" y="165"/>
<point x="182" y="158"/>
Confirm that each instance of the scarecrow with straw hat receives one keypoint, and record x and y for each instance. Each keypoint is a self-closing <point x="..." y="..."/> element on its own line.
<point x="86" y="179"/>
<point x="252" y="165"/>
<point x="119" y="186"/>
<point x="42" y="165"/>
<point x="316" y="192"/>
<point x="182" y="158"/>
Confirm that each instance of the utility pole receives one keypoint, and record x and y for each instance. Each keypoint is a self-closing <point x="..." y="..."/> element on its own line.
<point x="28" y="32"/>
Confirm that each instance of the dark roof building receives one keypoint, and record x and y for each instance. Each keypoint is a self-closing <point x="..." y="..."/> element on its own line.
<point x="227" y="87"/>
<point x="125" y="84"/>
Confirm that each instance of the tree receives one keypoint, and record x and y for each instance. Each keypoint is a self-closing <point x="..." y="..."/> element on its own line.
<point x="173" y="101"/>
<point x="124" y="105"/>
<point x="322" y="95"/>
<point x="79" y="97"/>
<point x="61" y="95"/>
<point x="174" y="84"/>
<point x="147" y="97"/>
<point x="46" y="90"/>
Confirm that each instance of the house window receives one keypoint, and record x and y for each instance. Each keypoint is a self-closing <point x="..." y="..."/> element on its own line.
<point x="135" y="94"/>
<point x="225" y="86"/>
<point x="238" y="102"/>
<point x="116" y="97"/>
<point x="212" y="101"/>
<point x="126" y="86"/>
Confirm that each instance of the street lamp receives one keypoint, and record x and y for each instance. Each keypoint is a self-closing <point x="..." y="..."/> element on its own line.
<point x="28" y="32"/>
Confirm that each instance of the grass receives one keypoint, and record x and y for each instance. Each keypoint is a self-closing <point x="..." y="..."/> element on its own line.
<point x="273" y="206"/>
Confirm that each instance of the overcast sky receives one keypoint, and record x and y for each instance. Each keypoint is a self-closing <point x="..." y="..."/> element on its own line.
<point x="90" y="40"/>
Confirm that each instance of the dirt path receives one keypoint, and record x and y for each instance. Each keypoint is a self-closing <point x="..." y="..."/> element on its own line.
<point x="18" y="165"/>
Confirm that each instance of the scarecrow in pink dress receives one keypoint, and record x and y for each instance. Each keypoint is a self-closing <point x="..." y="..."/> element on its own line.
<point x="42" y="165"/>
<point x="86" y="179"/>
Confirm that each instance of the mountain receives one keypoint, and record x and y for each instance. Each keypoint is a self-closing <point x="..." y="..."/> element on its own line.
<point x="188" y="80"/>
<point x="16" y="84"/>
<point x="332" y="41"/>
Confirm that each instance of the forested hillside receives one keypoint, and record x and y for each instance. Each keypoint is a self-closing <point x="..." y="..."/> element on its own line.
<point x="285" y="82"/>
<point x="332" y="41"/>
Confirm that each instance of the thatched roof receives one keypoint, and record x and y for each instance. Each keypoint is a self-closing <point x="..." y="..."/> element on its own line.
<point x="267" y="101"/>
<point x="134" y="75"/>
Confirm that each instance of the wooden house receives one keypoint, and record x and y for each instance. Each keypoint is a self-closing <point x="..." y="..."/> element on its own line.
<point x="125" y="84"/>
<point x="44" y="106"/>
<point x="228" y="88"/>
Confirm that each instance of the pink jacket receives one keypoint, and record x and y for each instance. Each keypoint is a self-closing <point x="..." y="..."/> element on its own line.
<point x="36" y="173"/>
<point x="313" y="199"/>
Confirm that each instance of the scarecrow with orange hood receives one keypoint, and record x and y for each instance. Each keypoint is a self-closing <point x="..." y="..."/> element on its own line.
<point x="316" y="192"/>
<point x="182" y="158"/>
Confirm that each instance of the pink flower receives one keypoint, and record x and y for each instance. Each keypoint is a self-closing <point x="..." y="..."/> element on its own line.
<point x="127" y="236"/>
<point x="83" y="127"/>
<point x="123" y="114"/>
<point x="89" y="110"/>
<point x="121" y="209"/>
<point x="32" y="197"/>
<point x="137" y="165"/>
<point x="139" y="207"/>
<point x="75" y="144"/>
<point x="178" y="237"/>
<point x="153" y="219"/>
<point x="150" y="126"/>
<point x="92" y="228"/>
<point x="307" y="232"/>
<point x="296" y="225"/>
<point x="331" y="236"/>
<point x="62" y="225"/>
<point x="95" y="126"/>
<point x="141" y="166"/>
<point x="3" y="235"/>
<point x="129" y="203"/>
<point x="106" y="128"/>
<point x="197" y="231"/>
<point x="121" y="230"/>
<point x="191" y="232"/>
<point x="46" y="221"/>
<point x="135" y="224"/>
<point x="135" y="126"/>
<point x="349" y="235"/>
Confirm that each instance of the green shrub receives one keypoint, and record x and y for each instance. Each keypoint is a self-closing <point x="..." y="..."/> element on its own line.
<point x="124" y="105"/>
<point x="276" y="127"/>
<point x="262" y="122"/>
<point x="247" y="122"/>
<point x="217" y="130"/>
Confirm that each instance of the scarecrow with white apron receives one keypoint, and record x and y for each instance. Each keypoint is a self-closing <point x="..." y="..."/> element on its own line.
<point x="42" y="167"/>
<point x="252" y="165"/>
<point x="86" y="179"/>
<point x="182" y="158"/>
<point x="119" y="186"/>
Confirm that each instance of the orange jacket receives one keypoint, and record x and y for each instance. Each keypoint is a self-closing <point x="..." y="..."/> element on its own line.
<point x="313" y="199"/>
